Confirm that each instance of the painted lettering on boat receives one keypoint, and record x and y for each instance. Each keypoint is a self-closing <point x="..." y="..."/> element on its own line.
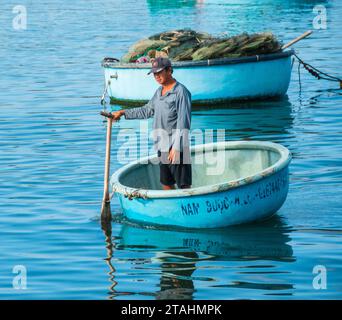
<point x="271" y="187"/>
<point x="220" y="205"/>
<point x="190" y="209"/>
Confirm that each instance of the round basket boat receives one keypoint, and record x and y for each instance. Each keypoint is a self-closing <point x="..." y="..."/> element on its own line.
<point x="233" y="183"/>
<point x="209" y="81"/>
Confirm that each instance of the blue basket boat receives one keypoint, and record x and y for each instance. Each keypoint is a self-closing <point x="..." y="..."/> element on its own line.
<point x="249" y="183"/>
<point x="209" y="81"/>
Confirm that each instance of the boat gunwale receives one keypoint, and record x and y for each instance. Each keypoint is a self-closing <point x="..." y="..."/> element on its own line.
<point x="201" y="63"/>
<point x="281" y="163"/>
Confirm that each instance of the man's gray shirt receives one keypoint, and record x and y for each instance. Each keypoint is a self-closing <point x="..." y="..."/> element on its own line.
<point x="171" y="112"/>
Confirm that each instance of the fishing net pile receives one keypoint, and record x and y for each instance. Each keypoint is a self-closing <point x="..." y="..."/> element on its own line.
<point x="186" y="44"/>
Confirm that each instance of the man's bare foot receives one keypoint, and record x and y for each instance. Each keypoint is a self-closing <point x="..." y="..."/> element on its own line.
<point x="172" y="187"/>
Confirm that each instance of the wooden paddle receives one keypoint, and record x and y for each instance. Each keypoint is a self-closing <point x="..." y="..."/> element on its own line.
<point x="106" y="214"/>
<point x="304" y="35"/>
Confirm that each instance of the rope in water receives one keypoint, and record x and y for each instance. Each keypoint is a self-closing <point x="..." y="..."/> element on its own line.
<point x="317" y="73"/>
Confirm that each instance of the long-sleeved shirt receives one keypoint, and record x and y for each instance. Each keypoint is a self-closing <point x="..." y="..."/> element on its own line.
<point x="171" y="112"/>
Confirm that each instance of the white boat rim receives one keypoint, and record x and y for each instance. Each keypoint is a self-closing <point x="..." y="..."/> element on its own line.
<point x="282" y="162"/>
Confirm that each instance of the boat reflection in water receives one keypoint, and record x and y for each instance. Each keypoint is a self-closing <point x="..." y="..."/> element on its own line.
<point x="174" y="254"/>
<point x="259" y="120"/>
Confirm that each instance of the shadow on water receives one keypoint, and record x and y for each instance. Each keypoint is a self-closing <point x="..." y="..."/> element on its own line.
<point x="175" y="253"/>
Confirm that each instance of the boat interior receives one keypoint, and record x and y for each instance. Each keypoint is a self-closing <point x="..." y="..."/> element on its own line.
<point x="208" y="168"/>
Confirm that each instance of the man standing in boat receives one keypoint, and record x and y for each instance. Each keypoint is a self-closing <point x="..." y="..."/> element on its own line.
<point x="170" y="107"/>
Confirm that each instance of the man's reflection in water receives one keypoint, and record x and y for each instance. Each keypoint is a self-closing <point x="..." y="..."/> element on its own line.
<point x="176" y="275"/>
<point x="173" y="256"/>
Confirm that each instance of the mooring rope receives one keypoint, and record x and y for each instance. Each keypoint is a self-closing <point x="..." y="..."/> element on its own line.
<point x="299" y="79"/>
<point x="318" y="74"/>
<point x="103" y="98"/>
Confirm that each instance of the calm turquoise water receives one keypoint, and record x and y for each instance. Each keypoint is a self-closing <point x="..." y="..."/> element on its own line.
<point x="52" y="152"/>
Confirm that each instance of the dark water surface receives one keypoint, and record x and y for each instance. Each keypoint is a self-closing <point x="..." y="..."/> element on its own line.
<point x="52" y="152"/>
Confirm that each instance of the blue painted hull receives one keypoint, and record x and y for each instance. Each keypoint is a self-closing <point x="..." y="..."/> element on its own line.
<point x="233" y="202"/>
<point x="248" y="203"/>
<point x="231" y="79"/>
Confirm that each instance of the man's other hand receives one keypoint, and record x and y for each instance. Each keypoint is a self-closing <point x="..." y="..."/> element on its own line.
<point x="174" y="156"/>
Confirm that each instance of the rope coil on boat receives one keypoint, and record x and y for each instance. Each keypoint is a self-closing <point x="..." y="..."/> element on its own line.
<point x="130" y="194"/>
<point x="134" y="194"/>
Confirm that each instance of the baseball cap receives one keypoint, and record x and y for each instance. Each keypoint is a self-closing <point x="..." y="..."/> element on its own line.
<point x="160" y="64"/>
